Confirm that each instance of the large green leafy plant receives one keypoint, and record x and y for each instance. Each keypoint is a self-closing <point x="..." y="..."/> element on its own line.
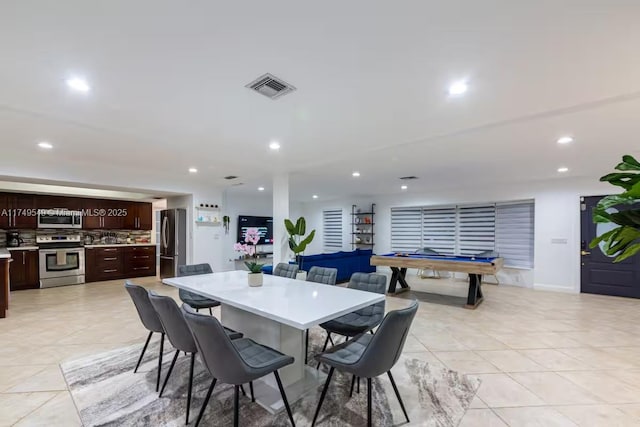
<point x="624" y="240"/>
<point x="297" y="241"/>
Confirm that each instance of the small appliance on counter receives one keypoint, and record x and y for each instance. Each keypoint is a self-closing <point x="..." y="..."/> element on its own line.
<point x="13" y="239"/>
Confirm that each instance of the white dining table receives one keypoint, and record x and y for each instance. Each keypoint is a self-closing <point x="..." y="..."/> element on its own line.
<point x="277" y="314"/>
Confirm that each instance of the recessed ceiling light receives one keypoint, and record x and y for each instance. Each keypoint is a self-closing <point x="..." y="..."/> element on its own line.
<point x="260" y="188"/>
<point x="193" y="170"/>
<point x="356" y="174"/>
<point x="563" y="169"/>
<point x="78" y="84"/>
<point x="315" y="196"/>
<point x="45" y="145"/>
<point x="403" y="187"/>
<point x="458" y="88"/>
<point x="565" y="140"/>
<point x="274" y="145"/>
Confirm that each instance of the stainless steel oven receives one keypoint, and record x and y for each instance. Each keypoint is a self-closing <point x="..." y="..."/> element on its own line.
<point x="61" y="260"/>
<point x="59" y="218"/>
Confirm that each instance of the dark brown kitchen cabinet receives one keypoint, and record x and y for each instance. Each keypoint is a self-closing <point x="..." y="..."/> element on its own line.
<point x="119" y="262"/>
<point x="58" y="202"/>
<point x="103" y="264"/>
<point x="139" y="216"/>
<point x="24" y="271"/>
<point x="103" y="214"/>
<point x="5" y="212"/>
<point x="140" y="261"/>
<point x="18" y="211"/>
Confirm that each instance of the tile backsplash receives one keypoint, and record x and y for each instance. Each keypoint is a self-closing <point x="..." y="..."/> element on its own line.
<point x="29" y="236"/>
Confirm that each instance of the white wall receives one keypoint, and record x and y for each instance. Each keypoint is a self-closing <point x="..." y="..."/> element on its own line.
<point x="557" y="216"/>
<point x="259" y="205"/>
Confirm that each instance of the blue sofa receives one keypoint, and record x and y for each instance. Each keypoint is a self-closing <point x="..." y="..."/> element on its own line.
<point x="347" y="263"/>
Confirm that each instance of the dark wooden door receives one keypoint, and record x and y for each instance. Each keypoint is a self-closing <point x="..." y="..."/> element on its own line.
<point x="145" y="216"/>
<point x="599" y="274"/>
<point x="25" y="210"/>
<point x="24" y="270"/>
<point x="130" y="221"/>
<point x="5" y="212"/>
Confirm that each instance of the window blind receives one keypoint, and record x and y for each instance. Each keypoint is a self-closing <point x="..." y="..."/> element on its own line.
<point x="515" y="233"/>
<point x="507" y="228"/>
<point x="332" y="229"/>
<point x="439" y="229"/>
<point x="406" y="229"/>
<point x="476" y="229"/>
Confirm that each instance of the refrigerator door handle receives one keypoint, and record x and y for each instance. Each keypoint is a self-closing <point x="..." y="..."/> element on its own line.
<point x="165" y="222"/>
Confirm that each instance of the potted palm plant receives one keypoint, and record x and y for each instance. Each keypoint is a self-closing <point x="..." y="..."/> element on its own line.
<point x="297" y="241"/>
<point x="623" y="241"/>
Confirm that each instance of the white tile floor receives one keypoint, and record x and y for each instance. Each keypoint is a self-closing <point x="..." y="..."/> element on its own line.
<point x="545" y="359"/>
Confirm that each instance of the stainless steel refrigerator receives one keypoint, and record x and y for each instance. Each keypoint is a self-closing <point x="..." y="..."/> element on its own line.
<point x="173" y="241"/>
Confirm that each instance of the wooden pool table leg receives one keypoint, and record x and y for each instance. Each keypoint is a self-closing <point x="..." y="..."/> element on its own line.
<point x="398" y="275"/>
<point x="474" y="297"/>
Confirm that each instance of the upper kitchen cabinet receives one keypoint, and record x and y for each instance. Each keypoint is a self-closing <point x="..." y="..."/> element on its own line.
<point x="18" y="211"/>
<point x="24" y="211"/>
<point x="103" y="214"/>
<point x="139" y="216"/>
<point x="58" y="202"/>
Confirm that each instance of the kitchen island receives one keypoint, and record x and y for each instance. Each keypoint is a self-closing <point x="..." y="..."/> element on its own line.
<point x="5" y="260"/>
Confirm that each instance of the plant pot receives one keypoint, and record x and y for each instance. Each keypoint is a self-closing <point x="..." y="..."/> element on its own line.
<point x="301" y="275"/>
<point x="255" y="279"/>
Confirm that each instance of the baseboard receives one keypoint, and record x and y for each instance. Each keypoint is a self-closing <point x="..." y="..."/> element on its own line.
<point x="554" y="288"/>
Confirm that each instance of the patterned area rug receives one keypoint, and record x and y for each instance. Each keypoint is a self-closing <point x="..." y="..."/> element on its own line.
<point x="108" y="393"/>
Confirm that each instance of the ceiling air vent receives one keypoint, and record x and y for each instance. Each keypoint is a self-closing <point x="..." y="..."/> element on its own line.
<point x="408" y="178"/>
<point x="230" y="177"/>
<point x="271" y="86"/>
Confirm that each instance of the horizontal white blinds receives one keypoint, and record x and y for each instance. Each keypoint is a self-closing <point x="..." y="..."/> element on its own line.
<point x="439" y="229"/>
<point x="406" y="226"/>
<point x="476" y="229"/>
<point x="515" y="233"/>
<point x="332" y="229"/>
<point x="506" y="228"/>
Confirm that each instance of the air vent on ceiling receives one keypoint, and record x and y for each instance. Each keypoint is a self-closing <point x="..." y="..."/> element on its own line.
<point x="408" y="178"/>
<point x="230" y="177"/>
<point x="271" y="86"/>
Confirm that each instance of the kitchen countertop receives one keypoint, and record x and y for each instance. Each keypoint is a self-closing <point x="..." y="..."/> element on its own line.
<point x="22" y="248"/>
<point x="4" y="253"/>
<point x="117" y="245"/>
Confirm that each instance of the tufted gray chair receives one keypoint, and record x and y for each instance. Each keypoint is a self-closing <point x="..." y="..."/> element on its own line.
<point x="149" y="319"/>
<point x="368" y="356"/>
<point x="179" y="336"/>
<point x="286" y="270"/>
<point x="233" y="362"/>
<point x="323" y="275"/>
<point x="194" y="300"/>
<point x="364" y="319"/>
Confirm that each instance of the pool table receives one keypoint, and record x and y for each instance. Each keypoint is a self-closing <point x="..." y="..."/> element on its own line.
<point x="474" y="266"/>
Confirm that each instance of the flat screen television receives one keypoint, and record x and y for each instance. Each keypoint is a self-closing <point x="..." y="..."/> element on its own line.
<point x="263" y="223"/>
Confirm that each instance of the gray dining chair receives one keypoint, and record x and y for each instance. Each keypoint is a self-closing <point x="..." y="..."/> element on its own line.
<point x="149" y="319"/>
<point x="195" y="300"/>
<point x="369" y="356"/>
<point x="364" y="319"/>
<point x="326" y="276"/>
<point x="286" y="270"/>
<point x="179" y="336"/>
<point x="323" y="275"/>
<point x="233" y="362"/>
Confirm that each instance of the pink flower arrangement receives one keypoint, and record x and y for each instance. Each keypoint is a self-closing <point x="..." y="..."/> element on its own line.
<point x="251" y="238"/>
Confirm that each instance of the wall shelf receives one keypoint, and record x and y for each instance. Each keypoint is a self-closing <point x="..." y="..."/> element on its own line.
<point x="359" y="223"/>
<point x="211" y="223"/>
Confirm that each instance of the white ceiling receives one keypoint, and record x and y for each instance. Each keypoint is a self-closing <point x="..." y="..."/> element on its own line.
<point x="168" y="92"/>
